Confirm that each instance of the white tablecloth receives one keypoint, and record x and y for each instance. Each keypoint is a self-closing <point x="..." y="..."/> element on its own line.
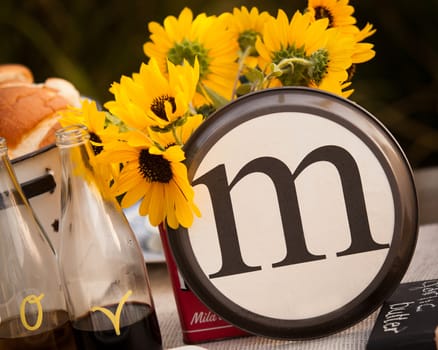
<point x="424" y="265"/>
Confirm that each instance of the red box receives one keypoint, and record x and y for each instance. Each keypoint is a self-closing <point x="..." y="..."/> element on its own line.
<point x="198" y="323"/>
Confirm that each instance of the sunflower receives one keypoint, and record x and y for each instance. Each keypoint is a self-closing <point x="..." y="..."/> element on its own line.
<point x="101" y="131"/>
<point x="204" y="38"/>
<point x="93" y="119"/>
<point x="334" y="86"/>
<point x="363" y="52"/>
<point x="155" y="176"/>
<point x="305" y="52"/>
<point x="151" y="98"/>
<point x="246" y="26"/>
<point x="340" y="16"/>
<point x="338" y="12"/>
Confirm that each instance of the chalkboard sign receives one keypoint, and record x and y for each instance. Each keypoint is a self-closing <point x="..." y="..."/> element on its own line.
<point x="309" y="213"/>
<point x="408" y="319"/>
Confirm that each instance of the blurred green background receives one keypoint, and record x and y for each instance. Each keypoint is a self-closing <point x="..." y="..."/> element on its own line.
<point x="93" y="42"/>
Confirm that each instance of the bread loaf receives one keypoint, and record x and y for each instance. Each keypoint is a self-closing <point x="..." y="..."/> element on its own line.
<point x="29" y="111"/>
<point x="12" y="74"/>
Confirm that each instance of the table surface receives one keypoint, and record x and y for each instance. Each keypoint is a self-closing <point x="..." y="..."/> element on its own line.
<point x="424" y="265"/>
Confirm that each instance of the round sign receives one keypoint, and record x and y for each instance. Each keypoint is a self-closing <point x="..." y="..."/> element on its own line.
<point x="309" y="213"/>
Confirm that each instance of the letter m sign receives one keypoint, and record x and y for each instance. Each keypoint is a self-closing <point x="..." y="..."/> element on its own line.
<point x="309" y="214"/>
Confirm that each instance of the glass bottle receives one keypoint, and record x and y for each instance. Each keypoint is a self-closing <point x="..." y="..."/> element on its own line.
<point x="103" y="268"/>
<point x="33" y="312"/>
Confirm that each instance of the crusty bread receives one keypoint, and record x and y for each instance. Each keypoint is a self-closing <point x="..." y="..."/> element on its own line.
<point x="65" y="89"/>
<point x="29" y="112"/>
<point x="11" y="74"/>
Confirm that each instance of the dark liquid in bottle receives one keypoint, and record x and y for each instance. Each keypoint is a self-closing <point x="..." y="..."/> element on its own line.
<point x="138" y="329"/>
<point x="13" y="335"/>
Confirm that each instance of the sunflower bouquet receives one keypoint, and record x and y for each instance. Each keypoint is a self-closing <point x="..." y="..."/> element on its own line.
<point x="194" y="66"/>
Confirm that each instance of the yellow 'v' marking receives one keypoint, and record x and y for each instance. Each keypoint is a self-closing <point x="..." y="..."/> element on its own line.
<point x="114" y="318"/>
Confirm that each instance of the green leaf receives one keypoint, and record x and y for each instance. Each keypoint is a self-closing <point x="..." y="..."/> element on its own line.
<point x="254" y="75"/>
<point x="112" y="119"/>
<point x="244" y="89"/>
<point x="218" y="100"/>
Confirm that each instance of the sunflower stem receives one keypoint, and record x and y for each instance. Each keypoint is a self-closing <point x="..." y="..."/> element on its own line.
<point x="216" y="99"/>
<point x="241" y="64"/>
<point x="178" y="138"/>
<point x="192" y="109"/>
<point x="284" y="66"/>
<point x="294" y="60"/>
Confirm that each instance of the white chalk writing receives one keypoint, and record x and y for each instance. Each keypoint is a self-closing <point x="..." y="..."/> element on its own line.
<point x="394" y="317"/>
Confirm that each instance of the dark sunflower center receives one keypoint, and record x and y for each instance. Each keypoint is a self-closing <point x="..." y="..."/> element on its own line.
<point x="158" y="104"/>
<point x="188" y="50"/>
<point x="95" y="138"/>
<point x="323" y="12"/>
<point x="248" y="39"/>
<point x="154" y="168"/>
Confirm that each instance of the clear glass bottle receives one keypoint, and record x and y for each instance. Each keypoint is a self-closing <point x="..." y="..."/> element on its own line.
<point x="103" y="267"/>
<point x="33" y="312"/>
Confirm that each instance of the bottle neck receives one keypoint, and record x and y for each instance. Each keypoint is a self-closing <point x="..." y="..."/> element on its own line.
<point x="8" y="180"/>
<point x="3" y="147"/>
<point x="12" y="196"/>
<point x="72" y="135"/>
<point x="80" y="168"/>
<point x="75" y="148"/>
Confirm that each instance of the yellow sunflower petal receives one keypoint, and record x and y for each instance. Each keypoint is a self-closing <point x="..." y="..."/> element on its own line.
<point x="134" y="195"/>
<point x="144" y="205"/>
<point x="171" y="218"/>
<point x="127" y="180"/>
<point x="156" y="205"/>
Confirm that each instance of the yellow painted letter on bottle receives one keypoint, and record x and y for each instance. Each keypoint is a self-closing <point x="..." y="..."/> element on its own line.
<point x="114" y="318"/>
<point x="32" y="299"/>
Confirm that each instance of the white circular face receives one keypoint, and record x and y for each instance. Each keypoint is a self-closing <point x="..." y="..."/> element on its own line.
<point x="309" y="213"/>
<point x="298" y="221"/>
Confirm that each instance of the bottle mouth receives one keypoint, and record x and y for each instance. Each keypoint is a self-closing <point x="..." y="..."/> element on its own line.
<point x="72" y="135"/>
